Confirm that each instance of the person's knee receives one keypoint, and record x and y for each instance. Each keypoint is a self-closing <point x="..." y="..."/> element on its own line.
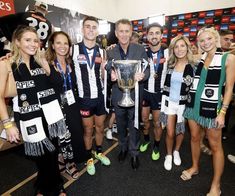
<point x="215" y="146"/>
<point x="170" y="134"/>
<point x="145" y="119"/>
<point x="195" y="138"/>
<point x="88" y="132"/>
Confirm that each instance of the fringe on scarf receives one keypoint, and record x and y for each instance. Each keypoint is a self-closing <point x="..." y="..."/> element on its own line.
<point x="180" y="127"/>
<point x="203" y="121"/>
<point x="57" y="129"/>
<point x="37" y="148"/>
<point x="163" y="118"/>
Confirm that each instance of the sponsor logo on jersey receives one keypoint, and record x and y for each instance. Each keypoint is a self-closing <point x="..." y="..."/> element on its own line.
<point x="81" y="58"/>
<point x="85" y="113"/>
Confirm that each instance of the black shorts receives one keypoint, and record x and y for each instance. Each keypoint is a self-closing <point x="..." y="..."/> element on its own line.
<point x="152" y="100"/>
<point x="90" y="107"/>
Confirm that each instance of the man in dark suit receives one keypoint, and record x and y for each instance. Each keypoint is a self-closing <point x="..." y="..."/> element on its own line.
<point x="125" y="116"/>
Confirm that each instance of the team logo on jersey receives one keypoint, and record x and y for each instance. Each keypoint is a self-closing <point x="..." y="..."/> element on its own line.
<point x="81" y="58"/>
<point x="162" y="60"/>
<point x="98" y="59"/>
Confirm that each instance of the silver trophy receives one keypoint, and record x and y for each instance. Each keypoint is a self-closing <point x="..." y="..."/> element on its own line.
<point x="125" y="70"/>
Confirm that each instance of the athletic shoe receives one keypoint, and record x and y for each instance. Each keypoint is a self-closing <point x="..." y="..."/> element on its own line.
<point x="103" y="159"/>
<point x="114" y="128"/>
<point x="177" y="159"/>
<point x="231" y="158"/>
<point x="90" y="167"/>
<point x="109" y="134"/>
<point x="144" y="146"/>
<point x="168" y="162"/>
<point x="155" y="154"/>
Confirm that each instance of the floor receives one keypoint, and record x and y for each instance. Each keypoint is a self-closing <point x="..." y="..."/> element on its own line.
<point x="17" y="174"/>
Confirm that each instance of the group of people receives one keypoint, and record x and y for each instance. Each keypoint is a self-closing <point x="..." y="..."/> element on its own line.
<point x="69" y="80"/>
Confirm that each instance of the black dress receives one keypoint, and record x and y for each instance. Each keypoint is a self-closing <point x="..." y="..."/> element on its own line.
<point x="71" y="113"/>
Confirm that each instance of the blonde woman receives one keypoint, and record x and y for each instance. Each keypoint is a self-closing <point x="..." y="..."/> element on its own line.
<point x="35" y="97"/>
<point x="175" y="93"/>
<point x="206" y="108"/>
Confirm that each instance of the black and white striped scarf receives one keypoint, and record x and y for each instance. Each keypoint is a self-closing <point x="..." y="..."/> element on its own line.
<point x="40" y="115"/>
<point x="211" y="95"/>
<point x="186" y="83"/>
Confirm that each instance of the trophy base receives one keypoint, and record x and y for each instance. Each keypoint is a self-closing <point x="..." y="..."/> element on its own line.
<point x="126" y="102"/>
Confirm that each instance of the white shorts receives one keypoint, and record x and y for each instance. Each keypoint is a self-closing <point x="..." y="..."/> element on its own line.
<point x="175" y="109"/>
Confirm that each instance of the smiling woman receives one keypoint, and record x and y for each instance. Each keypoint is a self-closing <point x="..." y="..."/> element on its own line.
<point x="36" y="126"/>
<point x="207" y="104"/>
<point x="62" y="75"/>
<point x="178" y="80"/>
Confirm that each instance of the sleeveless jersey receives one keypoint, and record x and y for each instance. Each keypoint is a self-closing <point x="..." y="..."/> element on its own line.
<point x="89" y="80"/>
<point x="157" y="77"/>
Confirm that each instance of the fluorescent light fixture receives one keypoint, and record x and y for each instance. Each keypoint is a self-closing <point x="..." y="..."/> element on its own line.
<point x="104" y="27"/>
<point x="159" y="19"/>
<point x="57" y="29"/>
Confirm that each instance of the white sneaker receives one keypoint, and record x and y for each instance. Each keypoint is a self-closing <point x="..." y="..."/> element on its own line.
<point x="168" y="162"/>
<point x="231" y="158"/>
<point x="109" y="134"/>
<point x="114" y="128"/>
<point x="177" y="159"/>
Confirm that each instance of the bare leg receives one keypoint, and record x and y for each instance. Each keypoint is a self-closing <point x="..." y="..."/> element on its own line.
<point x="88" y="131"/>
<point x="170" y="133"/>
<point x="157" y="126"/>
<point x="111" y="120"/>
<point x="99" y="127"/>
<point x="214" y="137"/>
<point x="145" y="119"/>
<point x="179" y="140"/>
<point x="204" y="148"/>
<point x="195" y="146"/>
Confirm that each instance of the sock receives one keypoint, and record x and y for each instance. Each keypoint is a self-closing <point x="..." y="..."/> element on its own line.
<point x="156" y="143"/>
<point x="146" y="138"/>
<point x="89" y="155"/>
<point x="98" y="149"/>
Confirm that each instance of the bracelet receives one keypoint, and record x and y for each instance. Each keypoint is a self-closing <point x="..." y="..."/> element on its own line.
<point x="224" y="106"/>
<point x="6" y="120"/>
<point x="7" y="123"/>
<point x="223" y="112"/>
<point x="8" y="126"/>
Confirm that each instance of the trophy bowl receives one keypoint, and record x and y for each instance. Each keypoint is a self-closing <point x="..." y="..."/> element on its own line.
<point x="125" y="70"/>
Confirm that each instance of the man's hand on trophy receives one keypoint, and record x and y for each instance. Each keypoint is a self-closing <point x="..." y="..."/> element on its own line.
<point x="139" y="76"/>
<point x="111" y="47"/>
<point x="113" y="76"/>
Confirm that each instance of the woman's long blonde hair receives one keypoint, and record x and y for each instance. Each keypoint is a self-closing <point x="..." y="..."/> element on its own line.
<point x="17" y="35"/>
<point x="172" y="58"/>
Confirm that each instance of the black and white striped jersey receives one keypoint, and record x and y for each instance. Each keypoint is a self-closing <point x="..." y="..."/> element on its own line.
<point x="157" y="77"/>
<point x="89" y="78"/>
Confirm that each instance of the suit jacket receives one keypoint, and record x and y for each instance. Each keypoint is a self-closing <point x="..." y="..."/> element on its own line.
<point x="136" y="52"/>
